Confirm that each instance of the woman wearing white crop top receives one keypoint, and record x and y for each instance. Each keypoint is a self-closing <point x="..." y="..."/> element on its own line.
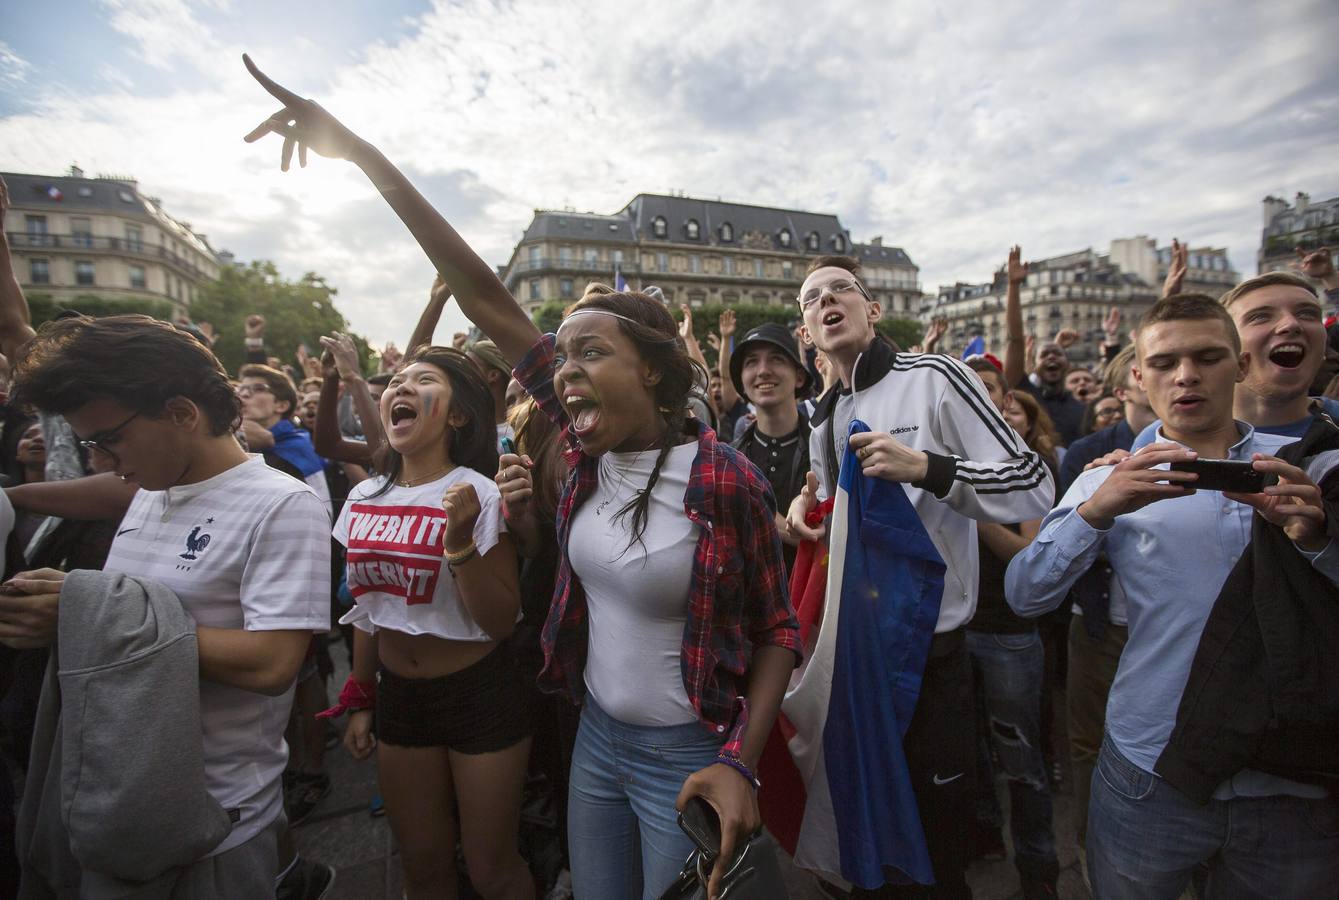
<point x="434" y="576"/>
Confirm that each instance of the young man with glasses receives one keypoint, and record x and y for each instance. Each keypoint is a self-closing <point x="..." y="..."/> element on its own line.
<point x="269" y="401"/>
<point x="935" y="431"/>
<point x="245" y="549"/>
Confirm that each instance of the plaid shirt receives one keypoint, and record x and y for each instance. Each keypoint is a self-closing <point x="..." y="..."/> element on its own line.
<point x="738" y="595"/>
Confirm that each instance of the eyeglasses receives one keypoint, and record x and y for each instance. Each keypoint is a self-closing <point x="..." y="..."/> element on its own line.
<point x="246" y="390"/>
<point x="99" y="441"/>
<point x="814" y="294"/>
<point x="1116" y="413"/>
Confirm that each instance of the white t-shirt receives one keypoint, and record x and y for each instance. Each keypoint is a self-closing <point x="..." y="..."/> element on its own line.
<point x="396" y="572"/>
<point x="246" y="549"/>
<point x="637" y="597"/>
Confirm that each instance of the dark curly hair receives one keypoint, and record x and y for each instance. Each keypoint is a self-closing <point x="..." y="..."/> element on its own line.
<point x="138" y="362"/>
<point x="474" y="443"/>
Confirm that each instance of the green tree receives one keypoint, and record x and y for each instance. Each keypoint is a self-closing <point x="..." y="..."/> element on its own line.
<point x="44" y="308"/>
<point x="904" y="332"/>
<point x="296" y="312"/>
<point x="549" y="316"/>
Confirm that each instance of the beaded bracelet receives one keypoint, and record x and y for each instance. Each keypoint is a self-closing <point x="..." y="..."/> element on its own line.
<point x="461" y="556"/>
<point x="738" y="765"/>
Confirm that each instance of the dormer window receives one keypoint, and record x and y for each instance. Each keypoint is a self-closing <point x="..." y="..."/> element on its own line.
<point x="783" y="237"/>
<point x="812" y="241"/>
<point x="839" y="243"/>
<point x="691" y="229"/>
<point x="727" y="233"/>
<point x="659" y="227"/>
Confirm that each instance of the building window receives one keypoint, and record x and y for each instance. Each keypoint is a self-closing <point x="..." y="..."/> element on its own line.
<point x="565" y="287"/>
<point x="590" y="255"/>
<point x="134" y="238"/>
<point x="83" y="272"/>
<point x="126" y="196"/>
<point x="535" y="250"/>
<point x="662" y="262"/>
<point x="137" y="277"/>
<point x="618" y="257"/>
<point x="692" y="230"/>
<point x="839" y="243"/>
<point x="36" y="226"/>
<point x="659" y="227"/>
<point x="695" y="264"/>
<point x="784" y="237"/>
<point x="534" y="288"/>
<point x="39" y="271"/>
<point x="811" y="241"/>
<point x="757" y="268"/>
<point x="727" y="232"/>
<point x="787" y="269"/>
<point x="564" y="254"/>
<point x="81" y="231"/>
<point x="729" y="265"/>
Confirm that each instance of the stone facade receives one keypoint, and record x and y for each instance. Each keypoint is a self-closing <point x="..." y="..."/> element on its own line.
<point x="70" y="235"/>
<point x="698" y="252"/>
<point x="1302" y="224"/>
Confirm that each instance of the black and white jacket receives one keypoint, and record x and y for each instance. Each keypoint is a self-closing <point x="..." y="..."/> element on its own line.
<point x="979" y="466"/>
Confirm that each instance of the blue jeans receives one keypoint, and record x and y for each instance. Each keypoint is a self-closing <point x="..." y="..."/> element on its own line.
<point x="1009" y="670"/>
<point x="622" y="829"/>
<point x="1145" y="839"/>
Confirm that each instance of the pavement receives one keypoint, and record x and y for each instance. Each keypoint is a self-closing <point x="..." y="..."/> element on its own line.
<point x="342" y="833"/>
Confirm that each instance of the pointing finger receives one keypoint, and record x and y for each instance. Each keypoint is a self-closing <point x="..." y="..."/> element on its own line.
<point x="286" y="155"/>
<point x="278" y="91"/>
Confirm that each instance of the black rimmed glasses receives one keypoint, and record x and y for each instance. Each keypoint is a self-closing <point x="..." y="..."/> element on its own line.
<point x="99" y="441"/>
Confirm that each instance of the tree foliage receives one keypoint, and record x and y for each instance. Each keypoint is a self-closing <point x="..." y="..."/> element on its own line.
<point x="44" y="308"/>
<point x="296" y="312"/>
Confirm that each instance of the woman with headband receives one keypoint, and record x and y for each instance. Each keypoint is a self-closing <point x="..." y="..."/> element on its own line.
<point x="671" y="622"/>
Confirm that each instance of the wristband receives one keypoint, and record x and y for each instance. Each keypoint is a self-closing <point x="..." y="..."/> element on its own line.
<point x="461" y="556"/>
<point x="354" y="696"/>
<point x="738" y="765"/>
<point x="255" y="343"/>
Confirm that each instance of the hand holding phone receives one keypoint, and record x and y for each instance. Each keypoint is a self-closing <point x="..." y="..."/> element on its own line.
<point x="1237" y="476"/>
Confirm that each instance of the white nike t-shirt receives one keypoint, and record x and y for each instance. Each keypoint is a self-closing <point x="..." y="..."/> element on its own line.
<point x="247" y="549"/>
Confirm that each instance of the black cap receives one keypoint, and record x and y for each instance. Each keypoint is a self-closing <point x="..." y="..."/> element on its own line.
<point x="773" y="335"/>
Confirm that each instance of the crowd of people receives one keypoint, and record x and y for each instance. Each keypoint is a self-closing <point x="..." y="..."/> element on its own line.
<point x="579" y="556"/>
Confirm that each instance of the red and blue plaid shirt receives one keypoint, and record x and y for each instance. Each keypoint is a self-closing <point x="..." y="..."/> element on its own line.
<point x="738" y="596"/>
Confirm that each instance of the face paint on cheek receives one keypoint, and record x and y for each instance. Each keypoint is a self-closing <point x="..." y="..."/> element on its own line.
<point x="429" y="405"/>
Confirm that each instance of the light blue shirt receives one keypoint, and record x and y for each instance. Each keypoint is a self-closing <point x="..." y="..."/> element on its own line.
<point x="1171" y="559"/>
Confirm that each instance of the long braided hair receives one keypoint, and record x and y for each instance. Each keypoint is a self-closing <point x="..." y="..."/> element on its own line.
<point x="655" y="334"/>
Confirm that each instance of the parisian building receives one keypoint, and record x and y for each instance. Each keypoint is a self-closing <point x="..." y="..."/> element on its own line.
<point x="1300" y="224"/>
<point x="1075" y="291"/>
<point x="698" y="252"/>
<point x="70" y="235"/>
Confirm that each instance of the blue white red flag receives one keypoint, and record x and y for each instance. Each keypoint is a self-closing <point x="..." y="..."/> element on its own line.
<point x="975" y="347"/>
<point x="620" y="283"/>
<point x="848" y="707"/>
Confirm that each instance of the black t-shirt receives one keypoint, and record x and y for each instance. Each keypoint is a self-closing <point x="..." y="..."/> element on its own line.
<point x="993" y="614"/>
<point x="1065" y="411"/>
<point x="775" y="458"/>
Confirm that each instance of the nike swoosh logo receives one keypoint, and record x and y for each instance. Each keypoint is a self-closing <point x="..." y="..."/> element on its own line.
<point x="126" y="531"/>
<point x="938" y="780"/>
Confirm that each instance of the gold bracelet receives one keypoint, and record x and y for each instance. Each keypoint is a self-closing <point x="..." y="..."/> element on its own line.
<point x="461" y="556"/>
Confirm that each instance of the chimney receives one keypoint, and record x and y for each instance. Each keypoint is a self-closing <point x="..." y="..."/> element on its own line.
<point x="876" y="241"/>
<point x="1272" y="207"/>
<point x="1302" y="203"/>
<point x="75" y="171"/>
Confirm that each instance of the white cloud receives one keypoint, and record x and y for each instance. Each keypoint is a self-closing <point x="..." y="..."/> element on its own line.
<point x="14" y="69"/>
<point x="953" y="135"/>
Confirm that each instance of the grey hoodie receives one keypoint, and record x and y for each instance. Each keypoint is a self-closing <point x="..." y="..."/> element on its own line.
<point x="115" y="795"/>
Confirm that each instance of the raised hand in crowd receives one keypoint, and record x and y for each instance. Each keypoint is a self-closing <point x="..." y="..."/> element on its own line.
<point x="311" y="366"/>
<point x="344" y="355"/>
<point x="936" y="330"/>
<point x="390" y="358"/>
<point x="1176" y="270"/>
<point x="459" y="340"/>
<point x="1030" y="352"/>
<point x="726" y="324"/>
<point x="1318" y="264"/>
<point x="1111" y="327"/>
<point x="255" y="327"/>
<point x="1135" y="483"/>
<point x="689" y="339"/>
<point x="1017" y="348"/>
<point x="438" y="296"/>
<point x="1066" y="338"/>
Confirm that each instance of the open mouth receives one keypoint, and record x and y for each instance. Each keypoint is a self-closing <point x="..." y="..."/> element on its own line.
<point x="401" y="413"/>
<point x="832" y="317"/>
<point x="1287" y="356"/>
<point x="584" y="413"/>
<point x="1188" y="403"/>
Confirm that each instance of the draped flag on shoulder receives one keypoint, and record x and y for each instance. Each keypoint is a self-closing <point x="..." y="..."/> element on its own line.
<point x="841" y="799"/>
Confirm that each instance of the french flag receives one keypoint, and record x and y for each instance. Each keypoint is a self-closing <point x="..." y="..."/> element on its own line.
<point x="837" y="793"/>
<point x="620" y="283"/>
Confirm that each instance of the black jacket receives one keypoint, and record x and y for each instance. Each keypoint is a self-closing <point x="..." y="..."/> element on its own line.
<point x="1263" y="691"/>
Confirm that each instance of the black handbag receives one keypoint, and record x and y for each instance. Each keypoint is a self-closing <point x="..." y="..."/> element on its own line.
<point x="754" y="873"/>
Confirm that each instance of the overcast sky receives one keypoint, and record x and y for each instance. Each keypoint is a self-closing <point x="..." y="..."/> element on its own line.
<point x="953" y="130"/>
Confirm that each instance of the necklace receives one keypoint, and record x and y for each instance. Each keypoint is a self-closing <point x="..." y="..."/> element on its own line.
<point x="415" y="482"/>
<point x="622" y="480"/>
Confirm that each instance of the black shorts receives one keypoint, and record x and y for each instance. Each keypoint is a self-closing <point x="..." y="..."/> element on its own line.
<point x="480" y="709"/>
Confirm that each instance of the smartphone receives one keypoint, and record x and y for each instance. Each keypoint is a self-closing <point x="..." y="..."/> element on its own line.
<point x="700" y="822"/>
<point x="508" y="445"/>
<point x="1224" y="475"/>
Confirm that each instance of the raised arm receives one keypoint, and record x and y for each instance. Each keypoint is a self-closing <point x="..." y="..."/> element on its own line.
<point x="483" y="298"/>
<point x="15" y="323"/>
<point x="1176" y="270"/>
<point x="91" y="497"/>
<point x="729" y="397"/>
<point x="344" y="356"/>
<point x="327" y="439"/>
<point x="432" y="313"/>
<point x="1015" y="345"/>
